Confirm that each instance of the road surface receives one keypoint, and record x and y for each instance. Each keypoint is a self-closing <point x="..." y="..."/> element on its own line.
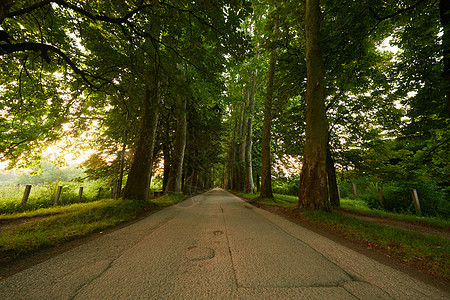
<point x="213" y="246"/>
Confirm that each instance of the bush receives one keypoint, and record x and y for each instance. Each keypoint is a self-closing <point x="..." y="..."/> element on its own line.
<point x="397" y="198"/>
<point x="287" y="189"/>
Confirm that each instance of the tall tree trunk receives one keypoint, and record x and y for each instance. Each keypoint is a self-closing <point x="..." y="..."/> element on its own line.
<point x="122" y="161"/>
<point x="444" y="9"/>
<point x="176" y="169"/>
<point x="139" y="177"/>
<point x="249" y="187"/>
<point x="166" y="155"/>
<point x="241" y="147"/>
<point x="5" y="6"/>
<point x="188" y="181"/>
<point x="313" y="192"/>
<point x="266" y="166"/>
<point x="332" y="182"/>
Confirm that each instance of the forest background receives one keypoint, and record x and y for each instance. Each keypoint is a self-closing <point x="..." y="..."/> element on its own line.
<point x="213" y="93"/>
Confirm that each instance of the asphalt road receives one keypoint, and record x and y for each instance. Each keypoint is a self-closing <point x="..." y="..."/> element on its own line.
<point x="213" y="246"/>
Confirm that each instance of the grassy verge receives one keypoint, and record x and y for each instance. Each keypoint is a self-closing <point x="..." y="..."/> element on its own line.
<point x="168" y="199"/>
<point x="360" y="207"/>
<point x="66" y="224"/>
<point x="427" y="252"/>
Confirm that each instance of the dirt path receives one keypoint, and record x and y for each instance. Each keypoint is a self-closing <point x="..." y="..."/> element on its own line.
<point x="8" y="224"/>
<point x="405" y="225"/>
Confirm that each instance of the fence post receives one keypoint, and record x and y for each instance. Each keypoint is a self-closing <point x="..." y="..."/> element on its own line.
<point x="416" y="202"/>
<point x="339" y="192"/>
<point x="58" y="194"/>
<point x="80" y="194"/>
<point x="380" y="196"/>
<point x="26" y="194"/>
<point x="354" y="190"/>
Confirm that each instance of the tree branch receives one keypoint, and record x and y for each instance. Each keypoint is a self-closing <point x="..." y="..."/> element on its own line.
<point x="21" y="47"/>
<point x="381" y="19"/>
<point x="85" y="13"/>
<point x="375" y="15"/>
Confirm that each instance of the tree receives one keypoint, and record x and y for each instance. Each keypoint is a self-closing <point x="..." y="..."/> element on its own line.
<point x="177" y="158"/>
<point x="313" y="192"/>
<point x="266" y="166"/>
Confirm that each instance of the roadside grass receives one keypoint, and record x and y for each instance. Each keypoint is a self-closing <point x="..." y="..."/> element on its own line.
<point x="360" y="207"/>
<point x="42" y="196"/>
<point x="45" y="211"/>
<point x="65" y="223"/>
<point x="168" y="199"/>
<point x="428" y="252"/>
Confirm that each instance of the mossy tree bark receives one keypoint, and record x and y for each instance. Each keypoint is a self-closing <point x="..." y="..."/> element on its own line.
<point x="313" y="191"/>
<point x="266" y="165"/>
<point x="332" y="182"/>
<point x="139" y="176"/>
<point x="176" y="168"/>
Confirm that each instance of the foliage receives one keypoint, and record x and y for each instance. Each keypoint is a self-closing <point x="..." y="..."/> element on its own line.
<point x="397" y="198"/>
<point x="42" y="196"/>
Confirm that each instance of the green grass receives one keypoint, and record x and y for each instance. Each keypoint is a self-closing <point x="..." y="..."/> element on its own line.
<point x="168" y="199"/>
<point x="65" y="224"/>
<point x="42" y="196"/>
<point x="429" y="251"/>
<point x="359" y="206"/>
<point x="245" y="195"/>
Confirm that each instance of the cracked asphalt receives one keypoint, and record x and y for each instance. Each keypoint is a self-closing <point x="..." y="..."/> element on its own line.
<point x="213" y="246"/>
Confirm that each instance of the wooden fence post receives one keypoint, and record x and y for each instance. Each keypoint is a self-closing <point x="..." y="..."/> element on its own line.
<point x="354" y="190"/>
<point x="58" y="194"/>
<point x="26" y="194"/>
<point x="80" y="194"/>
<point x="416" y="202"/>
<point x="380" y="196"/>
<point x="339" y="192"/>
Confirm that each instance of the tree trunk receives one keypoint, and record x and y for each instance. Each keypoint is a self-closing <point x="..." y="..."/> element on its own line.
<point x="174" y="181"/>
<point x="188" y="182"/>
<point x="313" y="192"/>
<point x="241" y="147"/>
<point x="249" y="187"/>
<point x="332" y="183"/>
<point x="139" y="177"/>
<point x="5" y="6"/>
<point x="122" y="162"/>
<point x="166" y="155"/>
<point x="266" y="166"/>
<point x="444" y="10"/>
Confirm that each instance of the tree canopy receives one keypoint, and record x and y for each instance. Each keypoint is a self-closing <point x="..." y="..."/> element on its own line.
<point x="220" y="91"/>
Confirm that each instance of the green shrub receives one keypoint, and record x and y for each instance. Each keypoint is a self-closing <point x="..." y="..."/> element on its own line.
<point x="287" y="189"/>
<point x="397" y="197"/>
